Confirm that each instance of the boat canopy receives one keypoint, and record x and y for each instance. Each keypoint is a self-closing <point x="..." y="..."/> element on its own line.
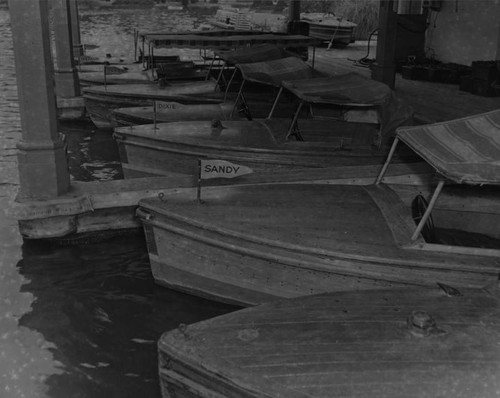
<point x="276" y="71"/>
<point x="227" y="42"/>
<point x="149" y="36"/>
<point x="466" y="150"/>
<point x="257" y="53"/>
<point x="350" y="89"/>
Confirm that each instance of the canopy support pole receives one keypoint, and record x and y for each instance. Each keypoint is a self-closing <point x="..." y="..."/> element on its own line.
<point x="229" y="83"/>
<point x="294" y="120"/>
<point x="210" y="67"/>
<point x="428" y="211"/>
<point x="238" y="97"/>
<point x="275" y="103"/>
<point x="219" y="77"/>
<point x="386" y="164"/>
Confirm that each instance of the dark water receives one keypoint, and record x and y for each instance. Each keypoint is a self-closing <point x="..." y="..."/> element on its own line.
<point x="82" y="321"/>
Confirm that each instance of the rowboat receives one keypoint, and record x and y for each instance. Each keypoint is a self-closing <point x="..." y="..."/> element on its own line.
<point x="328" y="27"/>
<point x="101" y="100"/>
<point x="135" y="74"/>
<point x="172" y="112"/>
<point x="248" y="244"/>
<point x="387" y="343"/>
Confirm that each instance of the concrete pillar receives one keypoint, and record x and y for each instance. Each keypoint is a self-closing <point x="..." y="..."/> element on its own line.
<point x="43" y="169"/>
<point x="66" y="75"/>
<point x="75" y="28"/>
<point x="384" y="69"/>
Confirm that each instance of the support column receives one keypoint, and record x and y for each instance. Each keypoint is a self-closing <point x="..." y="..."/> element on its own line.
<point x="294" y="10"/>
<point x="66" y="75"/>
<point x="43" y="169"/>
<point x="75" y="28"/>
<point x="384" y="69"/>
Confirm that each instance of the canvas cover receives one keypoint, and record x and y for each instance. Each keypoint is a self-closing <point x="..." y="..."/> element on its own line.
<point x="150" y="36"/>
<point x="275" y="72"/>
<point x="344" y="89"/>
<point x="465" y="150"/>
<point x="228" y="42"/>
<point x="257" y="53"/>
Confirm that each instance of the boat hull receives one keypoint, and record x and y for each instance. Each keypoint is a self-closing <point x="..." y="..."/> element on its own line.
<point x="173" y="112"/>
<point x="338" y="36"/>
<point x="100" y="101"/>
<point x="178" y="147"/>
<point x="227" y="262"/>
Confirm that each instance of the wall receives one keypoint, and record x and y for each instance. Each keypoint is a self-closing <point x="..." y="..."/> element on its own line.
<point x="464" y="31"/>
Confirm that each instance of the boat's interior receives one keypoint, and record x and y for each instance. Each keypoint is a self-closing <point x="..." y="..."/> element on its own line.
<point x="437" y="231"/>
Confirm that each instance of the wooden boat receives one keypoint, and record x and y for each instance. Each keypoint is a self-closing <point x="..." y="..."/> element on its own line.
<point x="262" y="144"/>
<point x="172" y="112"/>
<point x="340" y="139"/>
<point x="231" y="19"/>
<point x="388" y="343"/>
<point x="248" y="244"/>
<point x="225" y="111"/>
<point x="328" y="27"/>
<point x="177" y="70"/>
<point x="101" y="100"/>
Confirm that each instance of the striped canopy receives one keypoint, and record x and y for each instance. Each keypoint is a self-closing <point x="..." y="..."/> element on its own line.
<point x="465" y="150"/>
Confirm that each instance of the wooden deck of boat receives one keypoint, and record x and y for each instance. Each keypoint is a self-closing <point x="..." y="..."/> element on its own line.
<point x="341" y="345"/>
<point x="431" y="101"/>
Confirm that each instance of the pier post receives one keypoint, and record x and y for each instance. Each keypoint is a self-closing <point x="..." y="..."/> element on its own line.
<point x="66" y="75"/>
<point x="294" y="10"/>
<point x="43" y="170"/>
<point x="75" y="28"/>
<point x="384" y="68"/>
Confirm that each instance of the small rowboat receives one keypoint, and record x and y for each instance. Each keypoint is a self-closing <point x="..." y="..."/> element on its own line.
<point x="172" y="112"/>
<point x="390" y="343"/>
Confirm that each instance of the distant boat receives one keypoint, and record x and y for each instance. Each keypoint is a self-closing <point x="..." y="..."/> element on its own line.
<point x="136" y="74"/>
<point x="390" y="343"/>
<point x="170" y="5"/>
<point x="231" y="19"/>
<point x="101" y="100"/>
<point x="328" y="27"/>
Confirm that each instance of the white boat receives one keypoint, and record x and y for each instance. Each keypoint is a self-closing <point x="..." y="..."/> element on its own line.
<point x="328" y="27"/>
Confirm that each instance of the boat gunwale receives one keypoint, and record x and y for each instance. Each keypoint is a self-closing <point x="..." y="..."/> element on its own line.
<point x="331" y="255"/>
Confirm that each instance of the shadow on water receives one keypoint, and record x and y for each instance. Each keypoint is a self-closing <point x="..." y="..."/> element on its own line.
<point x="92" y="153"/>
<point x="100" y="308"/>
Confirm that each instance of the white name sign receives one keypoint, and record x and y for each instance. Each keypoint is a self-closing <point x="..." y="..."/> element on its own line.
<point x="221" y="169"/>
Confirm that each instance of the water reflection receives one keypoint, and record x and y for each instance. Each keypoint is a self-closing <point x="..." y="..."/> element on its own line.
<point x="99" y="307"/>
